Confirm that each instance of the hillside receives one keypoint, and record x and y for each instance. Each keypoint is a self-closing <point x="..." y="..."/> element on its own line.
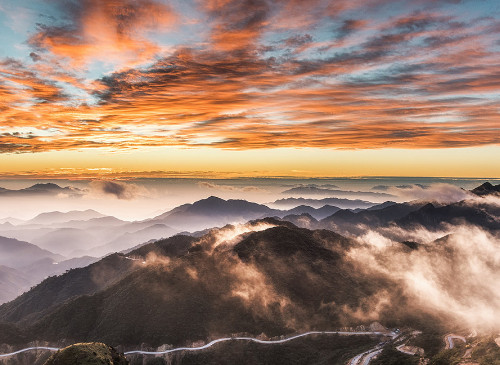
<point x="87" y="354"/>
<point x="18" y="254"/>
<point x="277" y="281"/>
<point x="57" y="289"/>
<point x="12" y="283"/>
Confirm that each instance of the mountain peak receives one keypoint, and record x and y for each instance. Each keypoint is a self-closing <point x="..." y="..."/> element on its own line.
<point x="211" y="198"/>
<point x="486" y="189"/>
<point x="44" y="186"/>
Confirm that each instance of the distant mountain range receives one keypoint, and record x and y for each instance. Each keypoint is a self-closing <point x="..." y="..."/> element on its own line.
<point x="18" y="254"/>
<point x="47" y="189"/>
<point x="287" y="203"/>
<point x="23" y="264"/>
<point x="59" y="217"/>
<point x="84" y="235"/>
<point x="410" y="215"/>
<point x="314" y="190"/>
<point x="214" y="211"/>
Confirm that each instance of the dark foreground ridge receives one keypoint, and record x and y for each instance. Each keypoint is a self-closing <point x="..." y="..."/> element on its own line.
<point x="93" y="353"/>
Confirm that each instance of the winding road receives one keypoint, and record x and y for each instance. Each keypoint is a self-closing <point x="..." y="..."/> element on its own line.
<point x="365" y="357"/>
<point x="370" y="356"/>
<point x="30" y="349"/>
<point x="401" y="349"/>
<point x="210" y="344"/>
<point x="251" y="339"/>
<point x="449" y="340"/>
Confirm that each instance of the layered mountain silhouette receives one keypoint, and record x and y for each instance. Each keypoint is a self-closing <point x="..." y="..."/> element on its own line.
<point x="42" y="189"/>
<point x="211" y="212"/>
<point x="435" y="217"/>
<point x="19" y="254"/>
<point x="314" y="190"/>
<point x="355" y="222"/>
<point x="287" y="203"/>
<point x="59" y="217"/>
<point x="410" y="215"/>
<point x="214" y="211"/>
<point x="23" y="265"/>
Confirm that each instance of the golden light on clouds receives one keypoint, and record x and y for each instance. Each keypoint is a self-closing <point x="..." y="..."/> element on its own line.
<point x="251" y="87"/>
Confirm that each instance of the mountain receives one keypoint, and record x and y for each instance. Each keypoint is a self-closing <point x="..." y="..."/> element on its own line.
<point x="24" y="265"/>
<point x="212" y="212"/>
<point x="313" y="190"/>
<point x="87" y="280"/>
<point x="437" y="217"/>
<point x="59" y="217"/>
<point x="317" y="213"/>
<point x="130" y="239"/>
<point x="277" y="281"/>
<point x="18" y="254"/>
<point x="44" y="189"/>
<point x="12" y="221"/>
<point x="12" y="283"/>
<point x="382" y="206"/>
<point x="176" y="246"/>
<point x="350" y="222"/>
<point x="55" y="290"/>
<point x="413" y="215"/>
<point x="303" y="220"/>
<point x="270" y="277"/>
<point x="288" y="203"/>
<point x="66" y="241"/>
<point x="486" y="189"/>
<point x="41" y="269"/>
<point x="93" y="223"/>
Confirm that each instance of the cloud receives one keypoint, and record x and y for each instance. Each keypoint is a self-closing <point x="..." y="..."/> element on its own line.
<point x="119" y="189"/>
<point x="108" y="31"/>
<point x="441" y="193"/>
<point x="455" y="276"/>
<point x="255" y="74"/>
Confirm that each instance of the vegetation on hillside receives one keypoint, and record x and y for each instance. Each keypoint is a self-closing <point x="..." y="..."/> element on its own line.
<point x="87" y="354"/>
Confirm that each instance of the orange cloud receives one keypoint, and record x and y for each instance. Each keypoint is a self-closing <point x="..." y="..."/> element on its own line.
<point x="335" y="77"/>
<point x="109" y="31"/>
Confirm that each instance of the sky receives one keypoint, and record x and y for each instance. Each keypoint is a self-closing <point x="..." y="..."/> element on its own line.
<point x="231" y="88"/>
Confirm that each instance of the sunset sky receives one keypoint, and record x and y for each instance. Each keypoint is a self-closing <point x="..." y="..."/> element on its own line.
<point x="249" y="88"/>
